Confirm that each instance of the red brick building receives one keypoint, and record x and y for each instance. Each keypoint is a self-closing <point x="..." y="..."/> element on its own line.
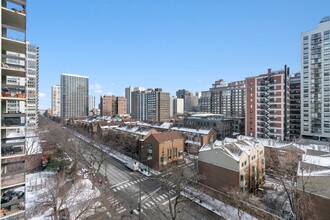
<point x="267" y="105"/>
<point x="161" y="149"/>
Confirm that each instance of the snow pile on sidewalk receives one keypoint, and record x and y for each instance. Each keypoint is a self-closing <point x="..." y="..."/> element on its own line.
<point x="214" y="205"/>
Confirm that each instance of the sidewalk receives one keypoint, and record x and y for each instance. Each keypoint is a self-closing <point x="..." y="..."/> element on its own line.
<point x="216" y="206"/>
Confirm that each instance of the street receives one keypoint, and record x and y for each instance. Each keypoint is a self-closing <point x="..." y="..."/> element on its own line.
<point x="126" y="188"/>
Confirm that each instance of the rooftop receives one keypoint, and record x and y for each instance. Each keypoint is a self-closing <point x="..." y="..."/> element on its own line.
<point x="167" y="136"/>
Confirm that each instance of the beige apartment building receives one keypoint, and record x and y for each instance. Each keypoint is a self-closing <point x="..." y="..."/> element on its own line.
<point x="151" y="105"/>
<point x="112" y="105"/>
<point x="13" y="108"/>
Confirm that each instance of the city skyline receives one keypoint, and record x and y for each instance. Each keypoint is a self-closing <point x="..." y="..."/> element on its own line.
<point x="121" y="43"/>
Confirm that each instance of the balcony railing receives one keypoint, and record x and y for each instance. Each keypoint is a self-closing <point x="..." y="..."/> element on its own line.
<point x="13" y="121"/>
<point x="12" y="149"/>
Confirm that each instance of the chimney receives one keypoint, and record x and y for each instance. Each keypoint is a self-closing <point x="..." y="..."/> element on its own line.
<point x="269" y="71"/>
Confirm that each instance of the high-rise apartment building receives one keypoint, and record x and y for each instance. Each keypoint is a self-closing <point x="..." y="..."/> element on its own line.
<point x="315" y="81"/>
<point x="267" y="105"/>
<point x="112" y="105"/>
<point x="91" y="104"/>
<point x="132" y="95"/>
<point x="295" y="106"/>
<point x="205" y="102"/>
<point x="158" y="106"/>
<point x="181" y="93"/>
<point x="190" y="103"/>
<point x="13" y="101"/>
<point x="56" y="101"/>
<point x="228" y="99"/>
<point x="178" y="106"/>
<point x="32" y="88"/>
<point x="151" y="105"/>
<point x="74" y="96"/>
<point x="128" y="95"/>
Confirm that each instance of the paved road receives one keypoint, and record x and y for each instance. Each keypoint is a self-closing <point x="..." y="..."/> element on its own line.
<point x="125" y="188"/>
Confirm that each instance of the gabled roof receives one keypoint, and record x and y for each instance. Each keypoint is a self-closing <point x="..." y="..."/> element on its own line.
<point x="167" y="136"/>
<point x="232" y="148"/>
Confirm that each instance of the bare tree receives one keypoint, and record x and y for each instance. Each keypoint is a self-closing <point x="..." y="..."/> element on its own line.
<point x="58" y="193"/>
<point x="285" y="171"/>
<point x="175" y="182"/>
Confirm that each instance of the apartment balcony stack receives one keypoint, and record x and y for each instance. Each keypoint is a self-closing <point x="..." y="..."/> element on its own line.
<point x="13" y="117"/>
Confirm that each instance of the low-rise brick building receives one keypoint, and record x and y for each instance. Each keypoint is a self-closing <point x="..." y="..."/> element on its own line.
<point x="161" y="149"/>
<point x="232" y="163"/>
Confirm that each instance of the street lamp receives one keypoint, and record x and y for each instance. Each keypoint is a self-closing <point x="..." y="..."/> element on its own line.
<point x="149" y="157"/>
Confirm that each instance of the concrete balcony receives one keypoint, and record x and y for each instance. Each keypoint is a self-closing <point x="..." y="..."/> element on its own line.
<point x="12" y="180"/>
<point x="12" y="120"/>
<point x="13" y="45"/>
<point x="14" y="19"/>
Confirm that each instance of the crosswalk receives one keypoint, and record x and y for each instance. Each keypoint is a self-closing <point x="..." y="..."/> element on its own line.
<point x="116" y="205"/>
<point x="127" y="184"/>
<point x="160" y="200"/>
<point x="169" y="183"/>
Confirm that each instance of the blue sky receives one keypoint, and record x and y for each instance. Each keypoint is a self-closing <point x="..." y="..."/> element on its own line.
<point x="171" y="44"/>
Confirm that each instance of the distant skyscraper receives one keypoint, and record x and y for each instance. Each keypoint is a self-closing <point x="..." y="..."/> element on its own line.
<point x="91" y="104"/>
<point x="112" y="105"/>
<point x="178" y="106"/>
<point x="56" y="101"/>
<point x="32" y="88"/>
<point x="190" y="103"/>
<point x="181" y="93"/>
<point x="151" y="105"/>
<point x="205" y="102"/>
<point x="74" y="96"/>
<point x="228" y="99"/>
<point x="128" y="95"/>
<point x="315" y="81"/>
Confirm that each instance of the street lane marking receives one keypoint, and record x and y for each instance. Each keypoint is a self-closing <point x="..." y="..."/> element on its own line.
<point x="162" y="197"/>
<point x="168" y="201"/>
<point x="123" y="210"/>
<point x="148" y="205"/>
<point x="114" y="190"/>
<point x="119" y="184"/>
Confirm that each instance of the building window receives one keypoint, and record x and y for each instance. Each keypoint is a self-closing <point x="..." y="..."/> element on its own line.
<point x="169" y="153"/>
<point x="242" y="178"/>
<point x="149" y="156"/>
<point x="253" y="169"/>
<point x="175" y="152"/>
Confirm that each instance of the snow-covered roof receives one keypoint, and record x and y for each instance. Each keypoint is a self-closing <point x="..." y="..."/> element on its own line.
<point x="193" y="142"/>
<point x="191" y="130"/>
<point x="206" y="115"/>
<point x="232" y="148"/>
<point x="135" y="130"/>
<point x="317" y="160"/>
<point x="164" y="125"/>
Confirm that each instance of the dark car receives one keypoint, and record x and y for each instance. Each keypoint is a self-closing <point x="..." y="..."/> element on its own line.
<point x="19" y="194"/>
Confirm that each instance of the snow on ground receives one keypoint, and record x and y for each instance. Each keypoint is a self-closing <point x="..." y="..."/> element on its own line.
<point x="37" y="183"/>
<point x="209" y="203"/>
